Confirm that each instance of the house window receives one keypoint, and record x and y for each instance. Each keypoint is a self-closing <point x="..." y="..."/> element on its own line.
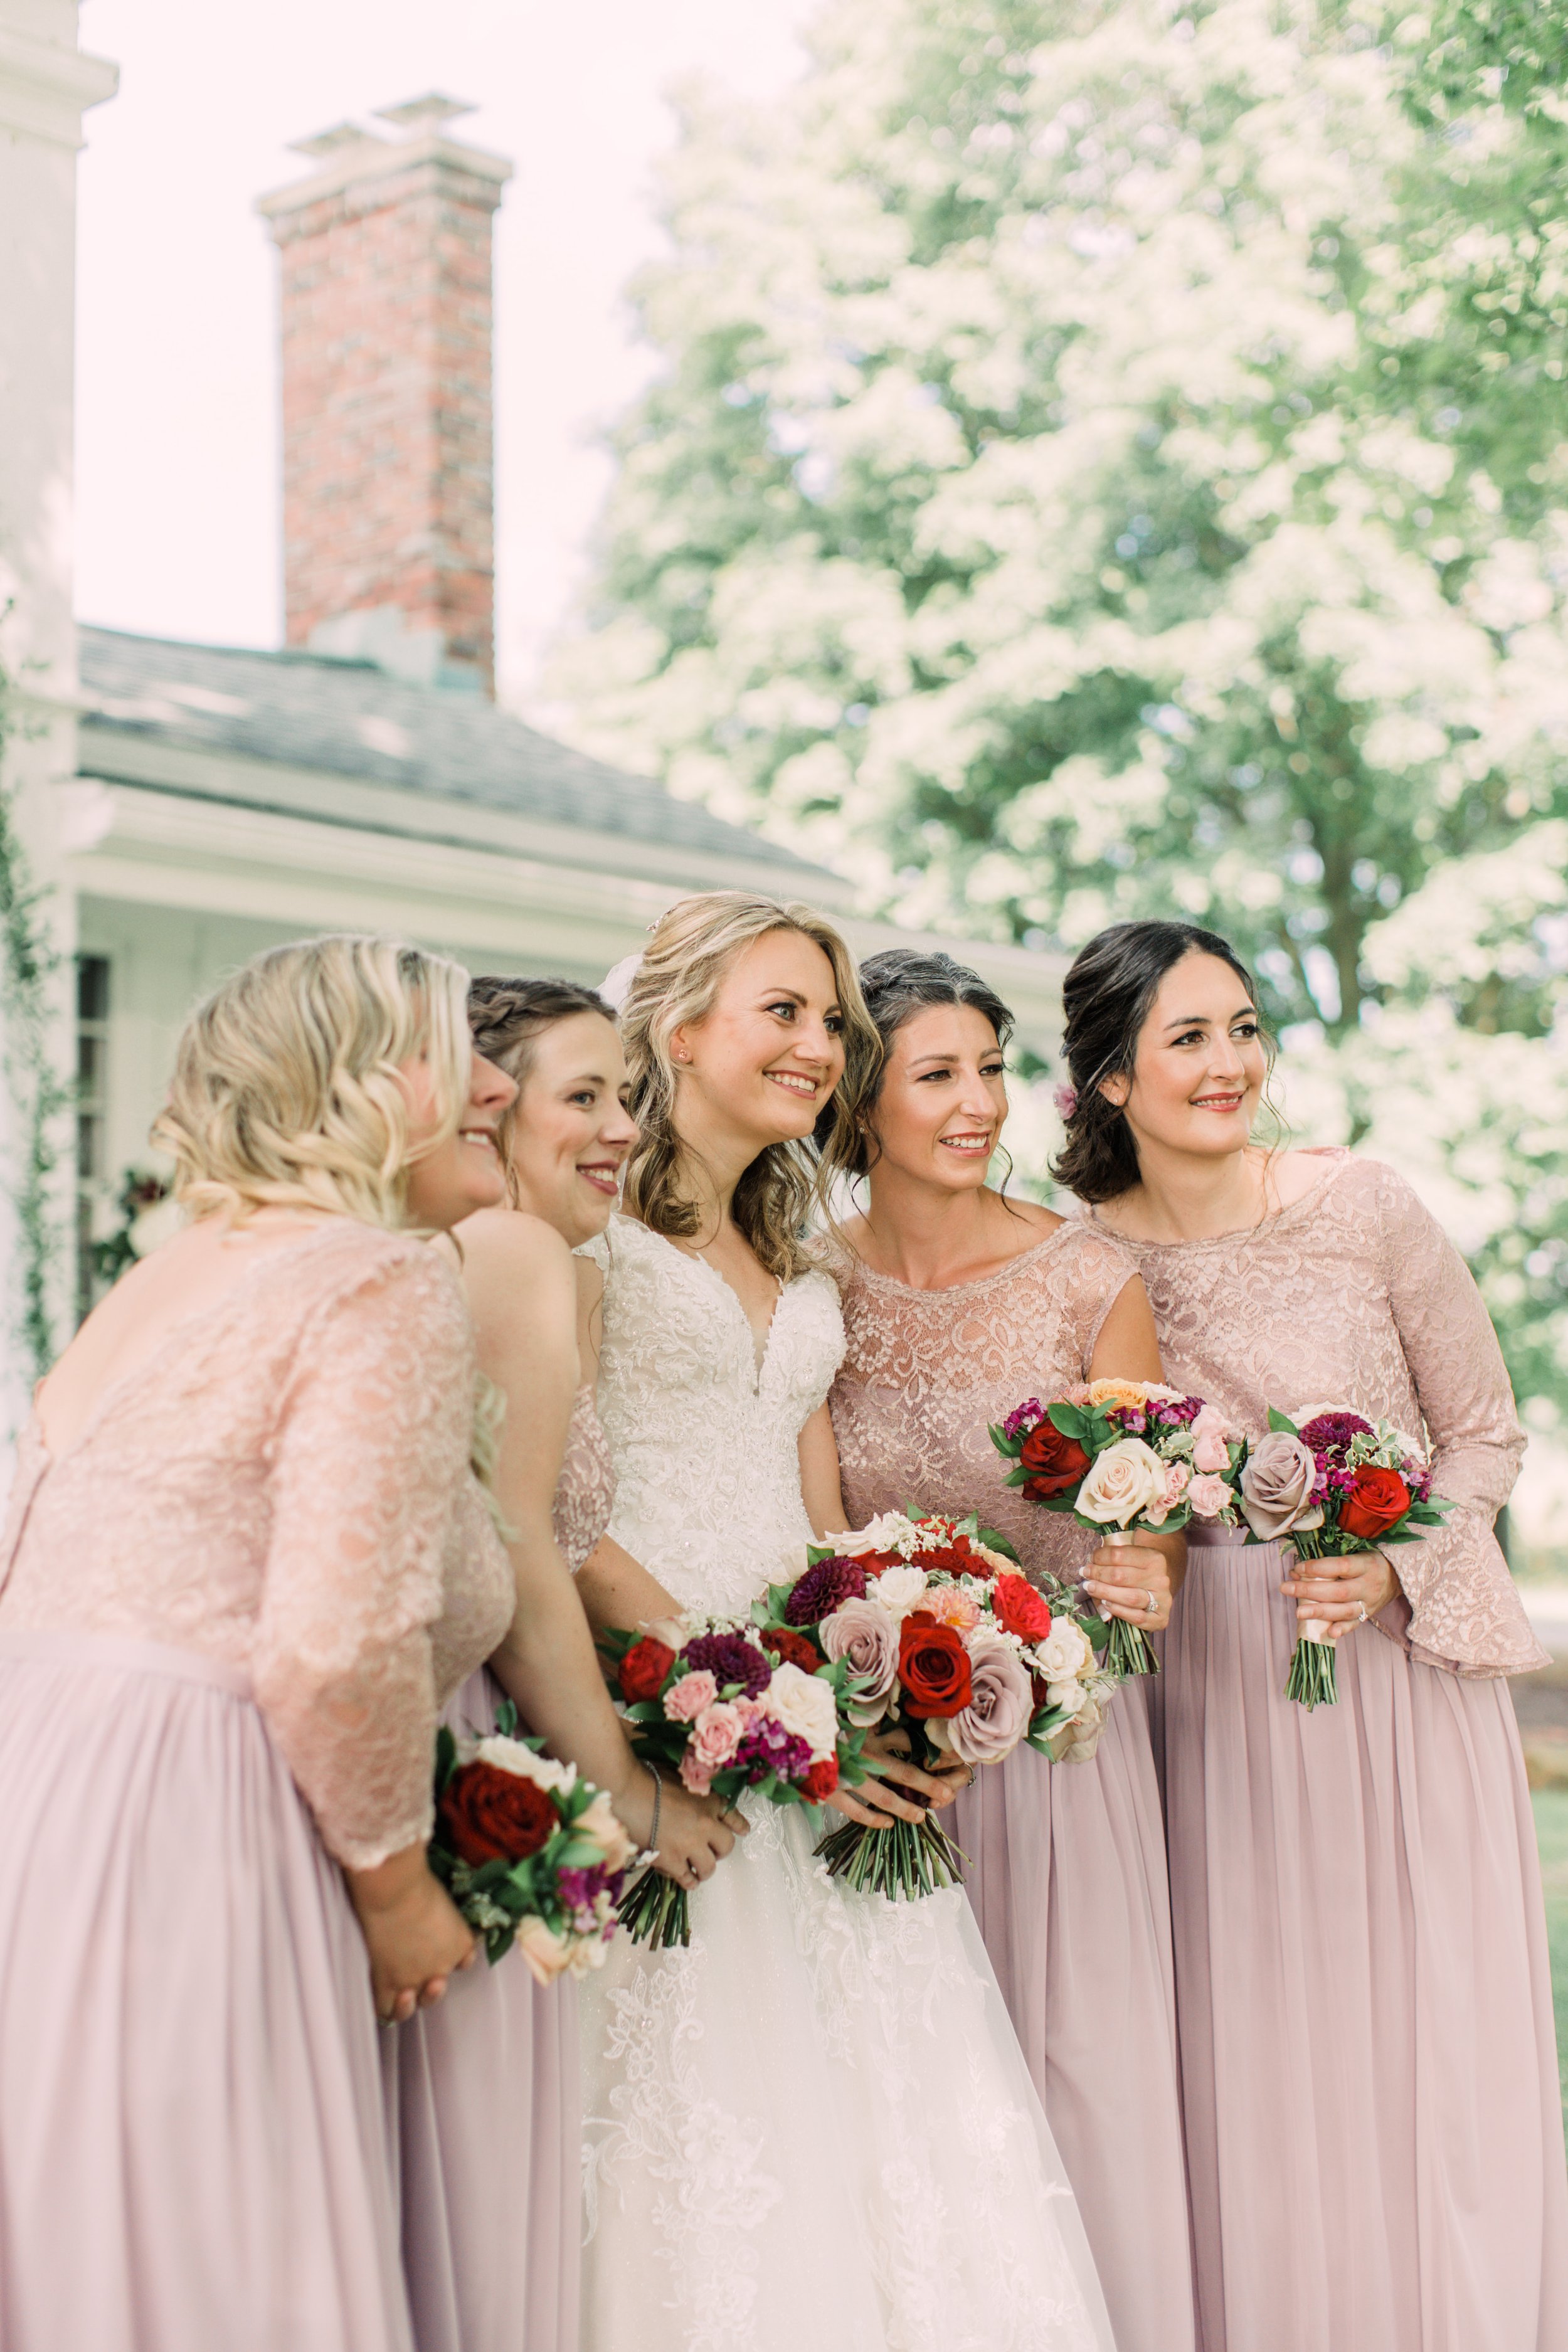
<point x="91" y="1117"/>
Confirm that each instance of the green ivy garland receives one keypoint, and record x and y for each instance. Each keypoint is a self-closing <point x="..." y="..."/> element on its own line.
<point x="29" y="962"/>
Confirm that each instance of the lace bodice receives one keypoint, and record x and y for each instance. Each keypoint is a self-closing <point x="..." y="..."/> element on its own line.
<point x="1354" y="1295"/>
<point x="284" y="1486"/>
<point x="925" y="1371"/>
<point x="586" y="1491"/>
<point x="704" y="1443"/>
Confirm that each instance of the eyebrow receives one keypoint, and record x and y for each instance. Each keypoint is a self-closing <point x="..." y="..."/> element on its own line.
<point x="1201" y="1020"/>
<point x="772" y="995"/>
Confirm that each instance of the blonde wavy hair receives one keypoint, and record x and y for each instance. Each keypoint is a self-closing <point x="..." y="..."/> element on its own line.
<point x="285" y="1091"/>
<point x="691" y="949"/>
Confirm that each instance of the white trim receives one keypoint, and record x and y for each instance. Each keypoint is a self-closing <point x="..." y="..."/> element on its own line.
<point x="46" y="87"/>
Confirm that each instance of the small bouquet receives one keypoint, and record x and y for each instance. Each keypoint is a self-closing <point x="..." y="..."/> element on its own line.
<point x="946" y="1641"/>
<point x="1331" y="1482"/>
<point x="1124" y="1456"/>
<point x="728" y="1706"/>
<point x="529" y="1853"/>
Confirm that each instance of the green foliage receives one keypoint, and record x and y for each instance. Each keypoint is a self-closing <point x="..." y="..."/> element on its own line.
<point x="1109" y="461"/>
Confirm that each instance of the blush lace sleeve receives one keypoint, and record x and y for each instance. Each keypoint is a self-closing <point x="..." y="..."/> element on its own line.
<point x="1465" y="1612"/>
<point x="369" y="1467"/>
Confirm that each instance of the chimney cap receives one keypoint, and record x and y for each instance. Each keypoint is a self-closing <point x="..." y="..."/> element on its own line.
<point x="327" y="142"/>
<point x="415" y="112"/>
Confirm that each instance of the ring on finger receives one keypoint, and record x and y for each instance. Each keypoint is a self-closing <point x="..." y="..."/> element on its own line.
<point x="1150" y="1606"/>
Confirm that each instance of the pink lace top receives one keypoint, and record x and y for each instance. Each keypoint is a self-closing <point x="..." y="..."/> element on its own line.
<point x="585" y="1492"/>
<point x="927" y="1370"/>
<point x="284" y="1486"/>
<point x="1355" y="1295"/>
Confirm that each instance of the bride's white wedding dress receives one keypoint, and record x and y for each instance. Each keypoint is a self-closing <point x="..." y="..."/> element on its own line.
<point x="813" y="2130"/>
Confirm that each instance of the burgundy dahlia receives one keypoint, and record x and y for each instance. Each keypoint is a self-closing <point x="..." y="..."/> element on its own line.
<point x="822" y="1589"/>
<point x="730" y="1658"/>
<point x="1331" y="1432"/>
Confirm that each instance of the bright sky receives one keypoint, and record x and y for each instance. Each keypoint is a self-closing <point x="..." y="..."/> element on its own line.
<point x="176" y="423"/>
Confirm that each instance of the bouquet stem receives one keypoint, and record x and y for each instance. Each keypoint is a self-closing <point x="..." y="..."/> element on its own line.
<point x="1312" y="1681"/>
<point x="905" y="1860"/>
<point x="654" y="1911"/>
<point x="1127" y="1650"/>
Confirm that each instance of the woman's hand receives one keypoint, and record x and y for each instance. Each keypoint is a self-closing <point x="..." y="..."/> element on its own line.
<point x="1134" y="1581"/>
<point x="695" y="1833"/>
<point x="1335" y="1596"/>
<point x="874" y="1804"/>
<point x="414" y="1934"/>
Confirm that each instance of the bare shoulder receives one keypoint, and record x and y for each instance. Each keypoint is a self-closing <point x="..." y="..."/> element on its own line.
<point x="1290" y="1176"/>
<point x="1038" y="1221"/>
<point x="515" y="1265"/>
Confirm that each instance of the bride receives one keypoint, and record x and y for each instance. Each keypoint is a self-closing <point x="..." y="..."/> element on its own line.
<point x="813" y="2127"/>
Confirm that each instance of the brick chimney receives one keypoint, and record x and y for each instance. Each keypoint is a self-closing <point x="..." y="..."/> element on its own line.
<point x="388" y="443"/>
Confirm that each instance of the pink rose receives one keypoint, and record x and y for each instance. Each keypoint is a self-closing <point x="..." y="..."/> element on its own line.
<point x="1178" y="1477"/>
<point x="685" y="1700"/>
<point x="1211" y="1435"/>
<point x="716" y="1735"/>
<point x="1209" y="1497"/>
<point x="545" y="1952"/>
<point x="693" y="1776"/>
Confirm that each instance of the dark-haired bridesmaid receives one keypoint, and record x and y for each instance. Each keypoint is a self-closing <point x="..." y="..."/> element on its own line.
<point x="1373" y="2129"/>
<point x="959" y="1303"/>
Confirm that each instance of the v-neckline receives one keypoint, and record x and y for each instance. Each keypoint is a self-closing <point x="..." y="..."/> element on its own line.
<point x="109" y="1394"/>
<point x="758" y="1356"/>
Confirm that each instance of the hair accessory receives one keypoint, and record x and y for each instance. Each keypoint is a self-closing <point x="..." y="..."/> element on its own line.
<point x="616" y="984"/>
<point x="1066" y="1101"/>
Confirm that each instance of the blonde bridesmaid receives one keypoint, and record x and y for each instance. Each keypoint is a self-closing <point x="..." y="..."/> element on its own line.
<point x="485" y="2089"/>
<point x="246" y="1561"/>
<point x="959" y="1303"/>
<point x="1373" y="2118"/>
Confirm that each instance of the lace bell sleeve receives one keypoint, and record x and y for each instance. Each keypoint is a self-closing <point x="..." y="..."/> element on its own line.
<point x="369" y="1466"/>
<point x="1466" y="1612"/>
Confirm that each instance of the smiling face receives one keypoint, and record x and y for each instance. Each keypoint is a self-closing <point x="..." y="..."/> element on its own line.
<point x="762" y="1062"/>
<point x="572" y="1132"/>
<point x="463" y="1173"/>
<point x="1201" y="1065"/>
<point x="939" y="1115"/>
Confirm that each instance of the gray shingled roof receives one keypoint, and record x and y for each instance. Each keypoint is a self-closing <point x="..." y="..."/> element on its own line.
<point x="348" y="717"/>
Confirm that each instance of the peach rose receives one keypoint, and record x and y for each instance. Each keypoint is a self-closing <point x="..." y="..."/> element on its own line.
<point x="547" y="1953"/>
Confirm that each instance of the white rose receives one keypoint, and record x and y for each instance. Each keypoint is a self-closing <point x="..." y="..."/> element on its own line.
<point x="899" y="1590"/>
<point x="804" y="1705"/>
<point x="545" y="1952"/>
<point x="1072" y="1697"/>
<point x="511" y="1755"/>
<point x="887" y="1532"/>
<point x="588" y="1953"/>
<point x="1065" y="1652"/>
<point x="1127" y="1478"/>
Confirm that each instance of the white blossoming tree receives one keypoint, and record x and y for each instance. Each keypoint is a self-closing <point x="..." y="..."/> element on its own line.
<point x="1110" y="461"/>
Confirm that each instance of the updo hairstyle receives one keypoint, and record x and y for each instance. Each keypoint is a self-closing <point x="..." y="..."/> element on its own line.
<point x="508" y="1018"/>
<point x="688" y="954"/>
<point x="285" y="1091"/>
<point x="1106" y="998"/>
<point x="899" y="983"/>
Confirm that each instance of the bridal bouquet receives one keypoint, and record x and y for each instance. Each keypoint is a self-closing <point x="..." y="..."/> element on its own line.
<point x="728" y="1705"/>
<point x="1124" y="1456"/>
<point x="947" y="1642"/>
<point x="529" y="1853"/>
<point x="1330" y="1482"/>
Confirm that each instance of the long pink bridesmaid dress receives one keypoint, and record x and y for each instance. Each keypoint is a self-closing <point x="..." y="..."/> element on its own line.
<point x="1067" y="1869"/>
<point x="1374" y="2125"/>
<point x="485" y="2089"/>
<point x="229" y="1613"/>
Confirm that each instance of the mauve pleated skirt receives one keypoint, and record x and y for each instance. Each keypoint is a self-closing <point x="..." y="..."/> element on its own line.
<point x="484" y="2099"/>
<point x="1375" y="2137"/>
<point x="192" y="2153"/>
<point x="1066" y="1878"/>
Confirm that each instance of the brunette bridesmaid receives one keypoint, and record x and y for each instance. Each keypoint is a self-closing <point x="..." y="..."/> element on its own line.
<point x="485" y="2089"/>
<point x="246" y="1560"/>
<point x="958" y="1304"/>
<point x="1374" y="2127"/>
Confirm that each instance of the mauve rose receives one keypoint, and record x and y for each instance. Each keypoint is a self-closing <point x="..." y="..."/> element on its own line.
<point x="1127" y="1478"/>
<point x="685" y="1700"/>
<point x="866" y="1635"/>
<point x="1276" y="1487"/>
<point x="999" y="1707"/>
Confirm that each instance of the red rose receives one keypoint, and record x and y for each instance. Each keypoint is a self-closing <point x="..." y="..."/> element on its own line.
<point x="876" y="1563"/>
<point x="1377" y="1499"/>
<point x="1020" y="1609"/>
<point x="933" y="1666"/>
<point x="489" y="1815"/>
<point x="643" y="1668"/>
<point x="821" y="1780"/>
<point x="1055" y="1463"/>
<point x="792" y="1649"/>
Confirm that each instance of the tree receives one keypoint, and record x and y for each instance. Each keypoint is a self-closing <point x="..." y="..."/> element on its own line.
<point x="1110" y="461"/>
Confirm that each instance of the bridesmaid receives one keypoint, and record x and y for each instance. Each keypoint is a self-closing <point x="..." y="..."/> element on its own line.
<point x="1373" y="2128"/>
<point x="959" y="1303"/>
<point x="485" y="2089"/>
<point x="246" y="1560"/>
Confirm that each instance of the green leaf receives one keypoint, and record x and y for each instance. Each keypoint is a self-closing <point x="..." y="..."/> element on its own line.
<point x="1071" y="1420"/>
<point x="1277" y="1421"/>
